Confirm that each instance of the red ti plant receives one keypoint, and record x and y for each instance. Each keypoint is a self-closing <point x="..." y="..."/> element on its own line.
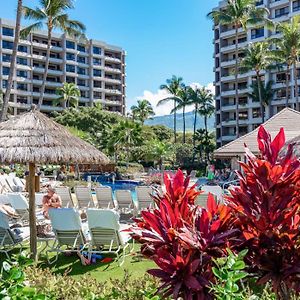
<point x="267" y="206"/>
<point x="182" y="239"/>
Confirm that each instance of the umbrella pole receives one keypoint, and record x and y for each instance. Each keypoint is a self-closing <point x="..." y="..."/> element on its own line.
<point x="32" y="217"/>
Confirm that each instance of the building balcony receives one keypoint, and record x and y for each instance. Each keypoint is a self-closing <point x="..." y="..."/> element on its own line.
<point x="228" y="63"/>
<point x="44" y="46"/>
<point x="50" y="71"/>
<point x="228" y="107"/>
<point x="46" y="95"/>
<point x="43" y="58"/>
<point x="230" y="33"/>
<point x="230" y="48"/>
<point x="113" y="59"/>
<point x="112" y="70"/>
<point x="49" y="108"/>
<point x="48" y="83"/>
<point x="278" y="3"/>
<point x="110" y="80"/>
<point x="113" y="92"/>
<point x="228" y="137"/>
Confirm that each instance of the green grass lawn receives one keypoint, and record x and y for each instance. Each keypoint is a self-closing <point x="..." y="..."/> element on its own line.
<point x="134" y="264"/>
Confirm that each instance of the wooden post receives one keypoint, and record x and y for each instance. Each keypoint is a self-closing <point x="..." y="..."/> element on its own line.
<point x="32" y="217"/>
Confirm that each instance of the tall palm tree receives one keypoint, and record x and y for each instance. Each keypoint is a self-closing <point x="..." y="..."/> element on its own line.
<point x="206" y="106"/>
<point x="69" y="94"/>
<point x="258" y="57"/>
<point x="183" y="100"/>
<point x="240" y="14"/>
<point x="173" y="86"/>
<point x="288" y="50"/>
<point x="264" y="94"/>
<point x="12" y="62"/>
<point x="52" y="14"/>
<point x="142" y="111"/>
<point x="200" y="96"/>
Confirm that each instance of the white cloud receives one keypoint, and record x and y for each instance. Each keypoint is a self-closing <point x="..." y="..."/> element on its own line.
<point x="166" y="108"/>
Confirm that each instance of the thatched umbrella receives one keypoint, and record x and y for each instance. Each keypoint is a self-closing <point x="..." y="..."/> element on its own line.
<point x="34" y="138"/>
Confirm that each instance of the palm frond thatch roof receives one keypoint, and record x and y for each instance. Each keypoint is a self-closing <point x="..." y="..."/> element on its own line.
<point x="287" y="118"/>
<point x="33" y="137"/>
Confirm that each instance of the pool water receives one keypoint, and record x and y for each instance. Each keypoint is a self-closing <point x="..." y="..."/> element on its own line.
<point x="122" y="185"/>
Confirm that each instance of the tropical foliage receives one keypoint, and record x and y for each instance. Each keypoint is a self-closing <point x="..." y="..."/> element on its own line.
<point x="142" y="111"/>
<point x="261" y="215"/>
<point x="69" y="95"/>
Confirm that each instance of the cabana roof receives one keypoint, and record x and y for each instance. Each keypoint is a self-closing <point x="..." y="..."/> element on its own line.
<point x="287" y="118"/>
<point x="33" y="137"/>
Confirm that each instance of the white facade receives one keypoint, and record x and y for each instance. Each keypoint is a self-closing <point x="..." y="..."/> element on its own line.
<point x="98" y="69"/>
<point x="249" y="111"/>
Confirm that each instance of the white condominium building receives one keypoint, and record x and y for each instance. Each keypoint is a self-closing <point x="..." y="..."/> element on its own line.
<point x="98" y="69"/>
<point x="224" y="56"/>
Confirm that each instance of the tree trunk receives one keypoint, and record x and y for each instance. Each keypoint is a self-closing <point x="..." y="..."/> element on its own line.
<point x="12" y="62"/>
<point x="287" y="85"/>
<point x="206" y="136"/>
<point x="296" y="86"/>
<point x="260" y="97"/>
<point x="194" y="135"/>
<point x="46" y="69"/>
<point x="236" y="82"/>
<point x="175" y="138"/>
<point x="32" y="217"/>
<point x="183" y="116"/>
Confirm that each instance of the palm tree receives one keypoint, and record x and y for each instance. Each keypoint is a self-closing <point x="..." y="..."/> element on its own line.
<point x="173" y="86"/>
<point x="183" y="100"/>
<point x="142" y="111"/>
<point x="288" y="50"/>
<point x="205" y="106"/>
<point x="258" y="57"/>
<point x="52" y="14"/>
<point x="240" y="14"/>
<point x="263" y="95"/>
<point x="69" y="94"/>
<point x="125" y="135"/>
<point x="12" y="62"/>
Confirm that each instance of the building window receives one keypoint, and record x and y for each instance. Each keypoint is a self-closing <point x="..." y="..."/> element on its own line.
<point x="22" y="61"/>
<point x="296" y="5"/>
<point x="4" y="84"/>
<point x="259" y="2"/>
<point x="257" y="33"/>
<point x="97" y="50"/>
<point x="80" y="48"/>
<point x="22" y="86"/>
<point x="97" y="84"/>
<point x="81" y="71"/>
<point x="256" y="113"/>
<point x="7" y="45"/>
<point x="97" y="61"/>
<point x="70" y="68"/>
<point x="70" y="79"/>
<point x="281" y="12"/>
<point x="6" y="57"/>
<point x="7" y="31"/>
<point x="70" y="45"/>
<point x="22" y="73"/>
<point x="5" y="71"/>
<point x="22" y="48"/>
<point x="70" y="56"/>
<point x="81" y="82"/>
<point x="97" y="72"/>
<point x="81" y="59"/>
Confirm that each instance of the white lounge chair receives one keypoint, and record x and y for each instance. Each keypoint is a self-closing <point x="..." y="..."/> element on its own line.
<point x="215" y="190"/>
<point x="5" y="188"/>
<point x="9" y="238"/>
<point x="104" y="197"/>
<point x="39" y="199"/>
<point x="20" y="204"/>
<point x="107" y="235"/>
<point x="19" y="184"/>
<point x="84" y="197"/>
<point x="10" y="180"/>
<point x="144" y="199"/>
<point x="67" y="227"/>
<point x="124" y="200"/>
<point x="65" y="196"/>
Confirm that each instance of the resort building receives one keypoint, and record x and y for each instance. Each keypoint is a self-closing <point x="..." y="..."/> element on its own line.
<point x="98" y="69"/>
<point x="224" y="56"/>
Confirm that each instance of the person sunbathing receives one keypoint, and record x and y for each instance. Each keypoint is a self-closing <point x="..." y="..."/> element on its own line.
<point x="50" y="200"/>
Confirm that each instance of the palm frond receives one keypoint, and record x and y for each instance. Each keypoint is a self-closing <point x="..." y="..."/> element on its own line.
<point x="33" y="27"/>
<point x="33" y="14"/>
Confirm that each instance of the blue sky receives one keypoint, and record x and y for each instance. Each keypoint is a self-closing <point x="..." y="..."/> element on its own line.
<point x="161" y="37"/>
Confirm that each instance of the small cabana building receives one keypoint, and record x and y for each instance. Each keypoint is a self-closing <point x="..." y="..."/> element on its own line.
<point x="287" y="118"/>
